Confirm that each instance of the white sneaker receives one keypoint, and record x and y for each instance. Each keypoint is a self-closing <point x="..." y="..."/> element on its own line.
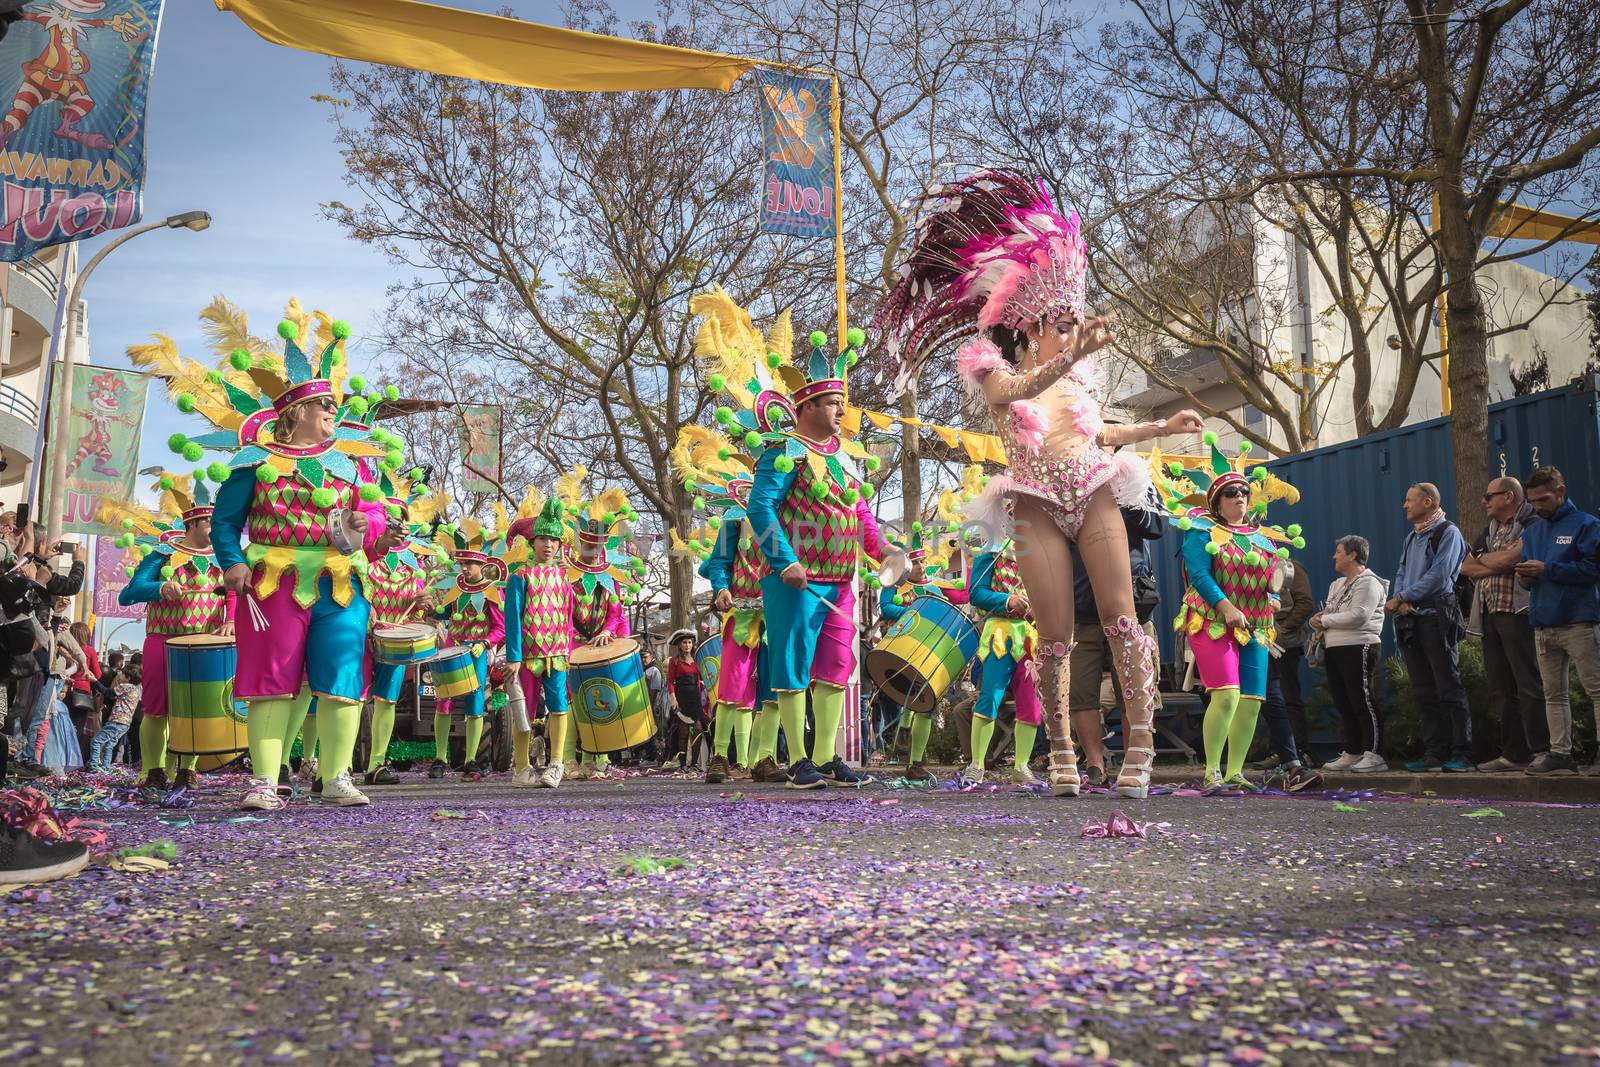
<point x="1369" y="762"/>
<point x="525" y="779"/>
<point x="1345" y="762"/>
<point x="262" y="796"/>
<point x="308" y="771"/>
<point x="973" y="773"/>
<point x="1023" y="776"/>
<point x="343" y="793"/>
<point x="551" y="778"/>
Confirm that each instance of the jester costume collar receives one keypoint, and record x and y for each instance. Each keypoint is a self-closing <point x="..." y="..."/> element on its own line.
<point x="469" y="541"/>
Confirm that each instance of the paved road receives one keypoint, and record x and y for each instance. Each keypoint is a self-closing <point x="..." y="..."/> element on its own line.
<point x="876" y="926"/>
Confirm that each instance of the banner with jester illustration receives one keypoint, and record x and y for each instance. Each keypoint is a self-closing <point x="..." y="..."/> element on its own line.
<point x="111" y="563"/>
<point x="104" y="433"/>
<point x="74" y="78"/>
<point x="797" y="136"/>
<point x="480" y="445"/>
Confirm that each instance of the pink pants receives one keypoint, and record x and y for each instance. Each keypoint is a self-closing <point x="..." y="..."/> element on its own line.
<point x="153" y="676"/>
<point x="736" y="678"/>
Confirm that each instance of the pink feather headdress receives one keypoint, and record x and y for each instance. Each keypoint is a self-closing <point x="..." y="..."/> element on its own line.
<point x="993" y="251"/>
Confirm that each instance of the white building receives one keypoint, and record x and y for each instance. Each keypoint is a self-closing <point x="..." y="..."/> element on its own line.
<point x="27" y="316"/>
<point x="1289" y="310"/>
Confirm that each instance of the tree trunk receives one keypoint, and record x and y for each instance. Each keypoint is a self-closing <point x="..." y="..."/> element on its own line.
<point x="1469" y="384"/>
<point x="681" y="565"/>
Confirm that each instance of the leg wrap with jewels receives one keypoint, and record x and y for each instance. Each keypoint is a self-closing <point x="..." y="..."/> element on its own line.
<point x="1054" y="663"/>
<point x="1133" y="655"/>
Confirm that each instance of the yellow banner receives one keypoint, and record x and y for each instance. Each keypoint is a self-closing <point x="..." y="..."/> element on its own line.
<point x="980" y="447"/>
<point x="490" y="48"/>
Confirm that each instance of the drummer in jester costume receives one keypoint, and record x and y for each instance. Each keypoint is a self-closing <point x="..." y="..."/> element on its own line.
<point x="1005" y="658"/>
<point x="181" y="582"/>
<point x="539" y="636"/>
<point x="808" y="510"/>
<point x="472" y="603"/>
<point x="893" y="602"/>
<point x="397" y="586"/>
<point x="1234" y="570"/>
<point x="293" y="484"/>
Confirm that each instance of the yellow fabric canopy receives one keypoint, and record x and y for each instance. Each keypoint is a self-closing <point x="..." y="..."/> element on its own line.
<point x="1531" y="224"/>
<point x="490" y="48"/>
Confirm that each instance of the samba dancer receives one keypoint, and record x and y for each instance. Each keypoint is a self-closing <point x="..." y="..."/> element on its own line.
<point x="1234" y="567"/>
<point x="538" y="619"/>
<point x="993" y="250"/>
<point x="313" y="528"/>
<point x="180" y="581"/>
<point x="808" y="510"/>
<point x="472" y="608"/>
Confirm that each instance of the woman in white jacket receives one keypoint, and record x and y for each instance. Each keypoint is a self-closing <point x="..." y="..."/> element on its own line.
<point x="1351" y="623"/>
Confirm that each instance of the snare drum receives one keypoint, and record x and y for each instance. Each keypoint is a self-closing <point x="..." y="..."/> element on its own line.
<point x="405" y="642"/>
<point x="609" y="699"/>
<point x="203" y="717"/>
<point x="708" y="657"/>
<point x="923" y="653"/>
<point x="454" y="674"/>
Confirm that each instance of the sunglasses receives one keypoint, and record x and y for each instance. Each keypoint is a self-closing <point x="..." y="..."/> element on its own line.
<point x="1498" y="492"/>
<point x="1234" y="490"/>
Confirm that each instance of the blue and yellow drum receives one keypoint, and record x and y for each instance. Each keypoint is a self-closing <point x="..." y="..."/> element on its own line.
<point x="203" y="717"/>
<point x="609" y="699"/>
<point x="453" y="673"/>
<point x="923" y="653"/>
<point x="404" y="642"/>
<point x="708" y="657"/>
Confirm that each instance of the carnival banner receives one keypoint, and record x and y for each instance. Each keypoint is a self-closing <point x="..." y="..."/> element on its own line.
<point x="76" y="74"/>
<point x="103" y="433"/>
<point x="111" y="577"/>
<point x="480" y="444"/>
<point x="797" y="134"/>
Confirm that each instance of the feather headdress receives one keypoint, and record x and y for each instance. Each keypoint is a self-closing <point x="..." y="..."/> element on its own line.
<point x="991" y="250"/>
<point x="162" y="531"/>
<point x="1190" y="492"/>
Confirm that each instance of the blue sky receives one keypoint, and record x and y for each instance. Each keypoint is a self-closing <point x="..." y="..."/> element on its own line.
<point x="232" y="130"/>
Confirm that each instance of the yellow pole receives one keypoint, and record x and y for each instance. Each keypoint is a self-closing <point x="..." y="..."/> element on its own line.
<point x="838" y="217"/>
<point x="1444" y="308"/>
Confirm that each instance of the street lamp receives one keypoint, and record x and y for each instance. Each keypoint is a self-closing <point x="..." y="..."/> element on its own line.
<point x="188" y="220"/>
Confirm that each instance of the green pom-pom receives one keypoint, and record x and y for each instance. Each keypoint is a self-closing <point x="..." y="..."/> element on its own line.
<point x="699" y="503"/>
<point x="1212" y="548"/>
<point x="1298" y="542"/>
<point x="214" y="377"/>
<point x="724" y="414"/>
<point x="124" y="541"/>
<point x="167" y="572"/>
<point x="239" y="359"/>
<point x="288" y="330"/>
<point x="752" y="439"/>
<point x="783" y="464"/>
<point x="897" y="599"/>
<point x="1210" y="438"/>
<point x="186" y="403"/>
<point x="449" y="528"/>
<point x="873" y="463"/>
<point x="724" y="454"/>
<point x="852" y="495"/>
<point x="1259" y="474"/>
<point x="817" y="338"/>
<point x="1185" y="524"/>
<point x="127" y="524"/>
<point x="218" y="472"/>
<point x="324" y="497"/>
<point x="1244" y="448"/>
<point x="746" y="543"/>
<point x="959" y="583"/>
<point x="1252" y="558"/>
<point x="358" y="406"/>
<point x="1175" y="468"/>
<point x="370" y="492"/>
<point x="688" y="485"/>
<point x="165" y="483"/>
<point x="872" y="582"/>
<point x="456" y="616"/>
<point x="193" y="452"/>
<point x="1294" y="530"/>
<point x="855" y="337"/>
<point x="391" y="393"/>
<point x="715" y="522"/>
<point x="397" y="455"/>
<point x="1176" y="507"/>
<point x="358" y="384"/>
<point x="392" y="510"/>
<point x="129" y="571"/>
<point x="415" y="474"/>
<point x="819" y="490"/>
<point x="852" y="358"/>
<point x="634" y="587"/>
<point x="340" y="330"/>
<point x="916" y="527"/>
<point x="716" y="383"/>
<point x="176" y="442"/>
<point x="266" y="473"/>
<point x="144" y="550"/>
<point x="1283" y="553"/>
<point x="867" y="490"/>
<point x="200" y="474"/>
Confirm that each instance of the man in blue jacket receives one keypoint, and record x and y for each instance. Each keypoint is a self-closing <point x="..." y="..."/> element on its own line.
<point x="1559" y="569"/>
<point x="1428" y="627"/>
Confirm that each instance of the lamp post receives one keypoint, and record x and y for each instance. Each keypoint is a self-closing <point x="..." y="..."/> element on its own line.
<point x="188" y="220"/>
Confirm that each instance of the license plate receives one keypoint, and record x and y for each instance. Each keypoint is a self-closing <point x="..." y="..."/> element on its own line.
<point x="427" y="690"/>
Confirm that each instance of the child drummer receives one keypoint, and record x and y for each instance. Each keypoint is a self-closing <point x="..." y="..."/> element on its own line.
<point x="472" y="606"/>
<point x="538" y="626"/>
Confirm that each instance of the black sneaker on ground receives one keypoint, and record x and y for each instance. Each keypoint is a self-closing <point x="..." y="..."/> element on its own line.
<point x="767" y="770"/>
<point x="285" y="785"/>
<point x="918" y="772"/>
<point x="803" y="774"/>
<point x="471" y="772"/>
<point x="26" y="769"/>
<point x="438" y="769"/>
<point x="838" y="772"/>
<point x="1552" y="763"/>
<point x="25" y="858"/>
<point x="717" y="770"/>
<point x="382" y="776"/>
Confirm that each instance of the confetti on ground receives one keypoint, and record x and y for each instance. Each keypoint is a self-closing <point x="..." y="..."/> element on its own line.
<point x="973" y="928"/>
<point x="1484" y="813"/>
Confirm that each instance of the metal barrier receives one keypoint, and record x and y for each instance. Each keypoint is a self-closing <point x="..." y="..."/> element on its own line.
<point x="15" y="402"/>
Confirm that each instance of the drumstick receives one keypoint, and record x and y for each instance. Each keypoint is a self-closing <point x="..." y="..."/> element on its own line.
<point x="836" y="609"/>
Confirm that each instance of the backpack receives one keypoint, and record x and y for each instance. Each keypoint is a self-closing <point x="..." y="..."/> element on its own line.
<point x="1464" y="587"/>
